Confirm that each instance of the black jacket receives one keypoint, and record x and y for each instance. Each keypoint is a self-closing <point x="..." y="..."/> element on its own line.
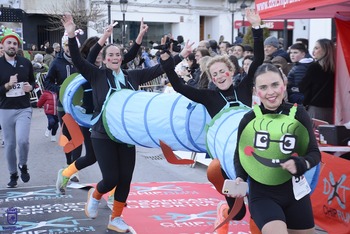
<point x="318" y="87"/>
<point x="95" y="50"/>
<point x="296" y="74"/>
<point x="24" y="69"/>
<point x="59" y="70"/>
<point x="212" y="99"/>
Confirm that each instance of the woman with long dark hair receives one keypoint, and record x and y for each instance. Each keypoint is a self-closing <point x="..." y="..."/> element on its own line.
<point x="318" y="82"/>
<point x="276" y="145"/>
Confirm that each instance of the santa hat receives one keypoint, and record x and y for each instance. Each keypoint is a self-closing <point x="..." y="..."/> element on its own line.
<point x="65" y="37"/>
<point x="8" y="33"/>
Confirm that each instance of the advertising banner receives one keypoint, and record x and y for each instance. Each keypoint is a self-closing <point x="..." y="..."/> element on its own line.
<point x="330" y="200"/>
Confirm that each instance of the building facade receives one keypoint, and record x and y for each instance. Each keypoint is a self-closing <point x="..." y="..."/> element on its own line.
<point x="195" y="20"/>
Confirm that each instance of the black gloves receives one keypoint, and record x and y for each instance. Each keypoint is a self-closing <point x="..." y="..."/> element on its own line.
<point x="300" y="165"/>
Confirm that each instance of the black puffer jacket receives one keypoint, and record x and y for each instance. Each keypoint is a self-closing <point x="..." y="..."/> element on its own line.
<point x="297" y="73"/>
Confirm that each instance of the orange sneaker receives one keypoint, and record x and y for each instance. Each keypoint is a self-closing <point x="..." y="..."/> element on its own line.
<point x="220" y="217"/>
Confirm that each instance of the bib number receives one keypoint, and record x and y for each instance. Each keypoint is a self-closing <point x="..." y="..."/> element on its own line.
<point x="16" y="90"/>
<point x="300" y="187"/>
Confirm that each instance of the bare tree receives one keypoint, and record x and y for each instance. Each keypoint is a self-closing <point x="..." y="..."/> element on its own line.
<point x="82" y="15"/>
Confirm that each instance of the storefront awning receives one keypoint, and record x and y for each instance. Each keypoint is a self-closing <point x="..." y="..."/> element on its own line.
<point x="300" y="9"/>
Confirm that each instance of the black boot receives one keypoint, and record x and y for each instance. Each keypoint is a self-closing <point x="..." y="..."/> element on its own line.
<point x="13" y="181"/>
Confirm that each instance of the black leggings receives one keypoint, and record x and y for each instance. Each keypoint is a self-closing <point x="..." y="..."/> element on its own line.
<point x="89" y="157"/>
<point x="269" y="203"/>
<point x="75" y="154"/>
<point x="117" y="163"/>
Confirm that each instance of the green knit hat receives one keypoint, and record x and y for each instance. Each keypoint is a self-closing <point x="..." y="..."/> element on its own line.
<point x="7" y="33"/>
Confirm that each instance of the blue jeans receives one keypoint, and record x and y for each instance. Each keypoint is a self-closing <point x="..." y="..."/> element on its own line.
<point x="52" y="124"/>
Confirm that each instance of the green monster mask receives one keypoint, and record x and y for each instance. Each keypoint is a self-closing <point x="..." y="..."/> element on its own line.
<point x="269" y="140"/>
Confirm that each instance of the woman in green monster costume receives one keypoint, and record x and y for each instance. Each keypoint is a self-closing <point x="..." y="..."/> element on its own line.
<point x="225" y="96"/>
<point x="275" y="147"/>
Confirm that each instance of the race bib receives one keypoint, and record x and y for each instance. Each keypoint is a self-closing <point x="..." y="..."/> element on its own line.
<point x="16" y="90"/>
<point x="300" y="187"/>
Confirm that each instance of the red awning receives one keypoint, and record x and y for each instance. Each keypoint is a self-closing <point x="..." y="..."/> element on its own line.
<point x="300" y="9"/>
<point x="342" y="74"/>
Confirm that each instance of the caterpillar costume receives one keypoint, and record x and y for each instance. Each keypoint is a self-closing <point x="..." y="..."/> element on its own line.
<point x="144" y="118"/>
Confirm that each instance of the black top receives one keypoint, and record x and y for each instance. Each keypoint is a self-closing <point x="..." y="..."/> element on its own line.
<point x="212" y="99"/>
<point x="59" y="70"/>
<point x="318" y="86"/>
<point x="24" y="69"/>
<point x="95" y="50"/>
<point x="98" y="79"/>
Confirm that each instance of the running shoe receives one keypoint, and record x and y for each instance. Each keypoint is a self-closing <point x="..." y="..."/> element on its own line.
<point x="25" y="177"/>
<point x="61" y="183"/>
<point x="13" y="181"/>
<point x="47" y="132"/>
<point x="53" y="138"/>
<point x="118" y="225"/>
<point x="91" y="206"/>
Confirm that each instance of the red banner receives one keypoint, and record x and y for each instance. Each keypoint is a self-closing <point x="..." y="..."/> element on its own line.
<point x="330" y="199"/>
<point x="342" y="76"/>
<point x="176" y="207"/>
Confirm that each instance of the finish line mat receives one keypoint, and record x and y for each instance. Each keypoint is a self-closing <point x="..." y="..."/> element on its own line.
<point x="152" y="208"/>
<point x="39" y="210"/>
<point x="176" y="208"/>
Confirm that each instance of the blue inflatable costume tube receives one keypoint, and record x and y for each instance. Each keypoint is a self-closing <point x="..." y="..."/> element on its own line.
<point x="144" y="118"/>
<point x="71" y="94"/>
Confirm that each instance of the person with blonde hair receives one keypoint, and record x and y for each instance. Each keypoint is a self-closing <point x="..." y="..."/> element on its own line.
<point x="203" y="76"/>
<point x="220" y="71"/>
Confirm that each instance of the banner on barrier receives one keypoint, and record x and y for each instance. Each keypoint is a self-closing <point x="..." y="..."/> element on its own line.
<point x="331" y="198"/>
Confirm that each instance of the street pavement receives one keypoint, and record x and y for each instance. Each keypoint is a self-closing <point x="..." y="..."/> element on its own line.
<point x="46" y="158"/>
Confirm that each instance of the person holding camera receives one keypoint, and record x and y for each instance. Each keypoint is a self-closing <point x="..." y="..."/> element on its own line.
<point x="169" y="42"/>
<point x="190" y="71"/>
